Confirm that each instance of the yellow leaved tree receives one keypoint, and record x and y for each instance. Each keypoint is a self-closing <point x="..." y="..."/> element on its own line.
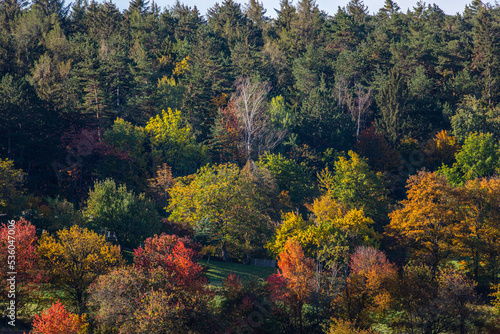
<point x="427" y="220"/>
<point x="74" y="258"/>
<point x="331" y="233"/>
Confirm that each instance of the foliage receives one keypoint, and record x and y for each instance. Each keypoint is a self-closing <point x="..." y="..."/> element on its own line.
<point x="11" y="191"/>
<point x="131" y="217"/>
<point x="173" y="143"/>
<point x="75" y="258"/>
<point x="291" y="177"/>
<point x="340" y="326"/>
<point x="474" y="115"/>
<point x="56" y="320"/>
<point x="294" y="284"/>
<point x="478" y="157"/>
<point x="130" y="160"/>
<point x="250" y="106"/>
<point x="442" y="304"/>
<point x="159" y="185"/>
<point x="220" y="198"/>
<point x="331" y="233"/>
<point x="441" y="149"/>
<point x="356" y="186"/>
<point x="370" y="285"/>
<point x="174" y="254"/>
<point x="55" y="214"/>
<point x="425" y="222"/>
<point x="163" y="292"/>
<point x="18" y="251"/>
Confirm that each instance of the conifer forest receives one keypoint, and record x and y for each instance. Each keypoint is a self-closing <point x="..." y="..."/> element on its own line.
<point x="152" y="159"/>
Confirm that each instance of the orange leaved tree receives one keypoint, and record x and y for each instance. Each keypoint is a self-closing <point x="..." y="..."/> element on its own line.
<point x="294" y="284"/>
<point x="56" y="320"/>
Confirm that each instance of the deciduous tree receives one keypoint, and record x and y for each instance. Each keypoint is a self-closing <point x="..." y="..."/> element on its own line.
<point x="74" y="258"/>
<point x="57" y="320"/>
<point x="131" y="217"/>
<point x="18" y="243"/>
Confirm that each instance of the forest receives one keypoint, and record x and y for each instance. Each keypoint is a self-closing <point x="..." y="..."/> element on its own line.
<point x="360" y="151"/>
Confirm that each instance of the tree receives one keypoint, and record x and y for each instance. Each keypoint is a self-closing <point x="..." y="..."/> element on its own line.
<point x="478" y="157"/>
<point x="485" y="54"/>
<point x="75" y="258"/>
<point x="11" y="191"/>
<point x="369" y="287"/>
<point x="163" y="292"/>
<point x="226" y="137"/>
<point x="356" y="186"/>
<point x="392" y="101"/>
<point x="329" y="235"/>
<point x="340" y="326"/>
<point x="221" y="199"/>
<point x="251" y="109"/>
<point x="56" y="320"/>
<point x="18" y="252"/>
<point x="339" y="230"/>
<point x="159" y="185"/>
<point x="477" y="232"/>
<point x="474" y="115"/>
<point x="173" y="142"/>
<point x="126" y="160"/>
<point x="177" y="255"/>
<point x="426" y="220"/>
<point x="441" y="149"/>
<point x="430" y="303"/>
<point x="295" y="280"/>
<point x="381" y="156"/>
<point x="131" y="217"/>
<point x="294" y="178"/>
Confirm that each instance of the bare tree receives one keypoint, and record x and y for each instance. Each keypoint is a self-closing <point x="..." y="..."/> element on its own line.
<point x="358" y="103"/>
<point x="251" y="108"/>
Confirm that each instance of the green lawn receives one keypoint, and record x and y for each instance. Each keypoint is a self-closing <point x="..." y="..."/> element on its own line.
<point x="217" y="271"/>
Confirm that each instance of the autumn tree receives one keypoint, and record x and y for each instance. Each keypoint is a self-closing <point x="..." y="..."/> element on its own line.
<point x="330" y="234"/>
<point x="294" y="284"/>
<point x="18" y="251"/>
<point x="356" y="186"/>
<point x="173" y="142"/>
<point x="164" y="291"/>
<point x="340" y="326"/>
<point x="371" y="282"/>
<point x="477" y="232"/>
<point x="425" y="223"/>
<point x="74" y="258"/>
<point x="159" y="185"/>
<point x="178" y="255"/>
<point x="57" y="320"/>
<point x="441" y="149"/>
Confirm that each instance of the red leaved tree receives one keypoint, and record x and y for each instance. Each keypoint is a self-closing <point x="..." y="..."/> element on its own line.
<point x="56" y="320"/>
<point x="177" y="255"/>
<point x="18" y="254"/>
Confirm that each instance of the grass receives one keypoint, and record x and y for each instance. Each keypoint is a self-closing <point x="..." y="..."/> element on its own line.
<point x="217" y="271"/>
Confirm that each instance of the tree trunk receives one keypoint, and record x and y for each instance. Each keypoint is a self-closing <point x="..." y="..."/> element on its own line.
<point x="225" y="256"/>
